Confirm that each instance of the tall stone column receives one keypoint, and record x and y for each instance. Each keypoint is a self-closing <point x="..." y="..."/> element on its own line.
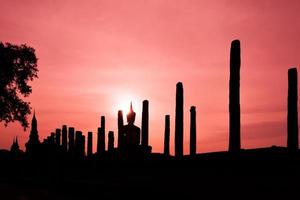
<point x="103" y="123"/>
<point x="82" y="145"/>
<point x="71" y="139"/>
<point x="102" y="135"/>
<point x="64" y="135"/>
<point x="167" y="136"/>
<point x="90" y="144"/>
<point x="99" y="140"/>
<point x="120" y="127"/>
<point x="78" y="143"/>
<point x="111" y="141"/>
<point x="234" y="97"/>
<point x="292" y="117"/>
<point x="193" y="140"/>
<point x="57" y="136"/>
<point x="145" y="124"/>
<point x="52" y="138"/>
<point x="179" y="120"/>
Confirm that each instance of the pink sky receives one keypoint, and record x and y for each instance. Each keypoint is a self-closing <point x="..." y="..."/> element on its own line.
<point x="95" y="56"/>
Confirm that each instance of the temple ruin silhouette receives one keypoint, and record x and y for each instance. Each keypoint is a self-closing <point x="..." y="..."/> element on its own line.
<point x="134" y="140"/>
<point x="124" y="166"/>
<point x="15" y="149"/>
<point x="33" y="143"/>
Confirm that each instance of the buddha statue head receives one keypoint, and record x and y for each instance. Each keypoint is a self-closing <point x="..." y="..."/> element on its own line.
<point x="131" y="115"/>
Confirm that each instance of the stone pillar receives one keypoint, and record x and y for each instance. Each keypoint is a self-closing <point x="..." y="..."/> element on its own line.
<point x="292" y="117"/>
<point x="57" y="136"/>
<point x="82" y="145"/>
<point x="111" y="141"/>
<point x="102" y="138"/>
<point x="52" y="138"/>
<point x="78" y="143"/>
<point x="120" y="127"/>
<point x="64" y="138"/>
<point x="103" y="123"/>
<point x="179" y="121"/>
<point x="71" y="139"/>
<point x="234" y="97"/>
<point x="47" y="141"/>
<point x="193" y="131"/>
<point x="98" y="140"/>
<point x="101" y="141"/>
<point x="145" y="124"/>
<point x="90" y="144"/>
<point x="167" y="136"/>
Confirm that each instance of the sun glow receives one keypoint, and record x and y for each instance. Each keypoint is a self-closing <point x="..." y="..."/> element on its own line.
<point x="122" y="102"/>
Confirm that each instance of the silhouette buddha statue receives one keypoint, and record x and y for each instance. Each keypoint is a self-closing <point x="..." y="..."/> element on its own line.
<point x="131" y="133"/>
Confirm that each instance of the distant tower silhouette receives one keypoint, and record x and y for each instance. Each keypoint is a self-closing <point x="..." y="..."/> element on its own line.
<point x="15" y="149"/>
<point x="57" y="137"/>
<point x="33" y="141"/>
<point x="90" y="144"/>
<point x="111" y="141"/>
<point x="145" y="123"/>
<point x="120" y="128"/>
<point x="234" y="97"/>
<point x="179" y="120"/>
<point x="167" y="136"/>
<point x="292" y="117"/>
<point x="64" y="136"/>
<point x="193" y="131"/>
<point x="71" y="139"/>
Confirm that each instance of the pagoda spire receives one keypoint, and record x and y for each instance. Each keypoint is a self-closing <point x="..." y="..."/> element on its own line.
<point x="15" y="146"/>
<point x="33" y="137"/>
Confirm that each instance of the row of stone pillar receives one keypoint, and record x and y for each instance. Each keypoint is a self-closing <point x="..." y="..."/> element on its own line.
<point x="234" y="119"/>
<point x="74" y="142"/>
<point x="77" y="141"/>
<point x="234" y="103"/>
<point x="101" y="138"/>
<point x="234" y="111"/>
<point x="179" y="126"/>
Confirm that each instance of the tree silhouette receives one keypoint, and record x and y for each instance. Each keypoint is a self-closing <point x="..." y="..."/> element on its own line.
<point x="18" y="65"/>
